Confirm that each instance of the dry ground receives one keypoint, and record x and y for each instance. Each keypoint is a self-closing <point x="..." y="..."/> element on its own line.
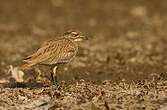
<point x="122" y="66"/>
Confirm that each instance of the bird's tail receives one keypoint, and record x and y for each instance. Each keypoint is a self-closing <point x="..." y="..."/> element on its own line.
<point x="25" y="66"/>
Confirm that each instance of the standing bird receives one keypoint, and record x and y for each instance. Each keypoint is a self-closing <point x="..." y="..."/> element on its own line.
<point x="55" y="52"/>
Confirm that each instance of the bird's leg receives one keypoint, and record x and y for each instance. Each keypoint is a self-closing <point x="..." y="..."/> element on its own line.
<point x="53" y="75"/>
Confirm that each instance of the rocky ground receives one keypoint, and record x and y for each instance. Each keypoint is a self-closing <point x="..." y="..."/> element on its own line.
<point x="121" y="66"/>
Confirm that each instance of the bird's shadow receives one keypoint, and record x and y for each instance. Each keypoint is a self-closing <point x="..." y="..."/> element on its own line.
<point x="23" y="85"/>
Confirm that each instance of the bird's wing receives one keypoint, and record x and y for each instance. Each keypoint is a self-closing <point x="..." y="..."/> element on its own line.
<point x="45" y="54"/>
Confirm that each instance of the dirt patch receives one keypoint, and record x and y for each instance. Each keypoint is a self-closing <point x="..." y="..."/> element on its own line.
<point x="145" y="94"/>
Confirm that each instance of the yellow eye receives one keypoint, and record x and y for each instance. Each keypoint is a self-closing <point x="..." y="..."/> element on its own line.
<point x="74" y="34"/>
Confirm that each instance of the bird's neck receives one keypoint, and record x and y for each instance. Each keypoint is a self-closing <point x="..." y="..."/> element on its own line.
<point x="71" y="40"/>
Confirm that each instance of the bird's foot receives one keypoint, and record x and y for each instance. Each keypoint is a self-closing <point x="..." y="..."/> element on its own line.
<point x="55" y="83"/>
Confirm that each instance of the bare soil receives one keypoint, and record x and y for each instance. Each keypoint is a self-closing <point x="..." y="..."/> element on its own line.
<point x="121" y="66"/>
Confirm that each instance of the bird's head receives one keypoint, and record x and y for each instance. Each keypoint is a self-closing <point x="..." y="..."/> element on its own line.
<point x="75" y="36"/>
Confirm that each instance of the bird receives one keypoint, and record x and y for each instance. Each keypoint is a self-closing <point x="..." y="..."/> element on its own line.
<point x="55" y="52"/>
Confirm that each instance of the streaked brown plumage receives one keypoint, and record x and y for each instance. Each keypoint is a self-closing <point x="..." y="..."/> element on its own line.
<point x="54" y="52"/>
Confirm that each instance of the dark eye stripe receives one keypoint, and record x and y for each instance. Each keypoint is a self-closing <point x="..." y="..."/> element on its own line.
<point x="74" y="34"/>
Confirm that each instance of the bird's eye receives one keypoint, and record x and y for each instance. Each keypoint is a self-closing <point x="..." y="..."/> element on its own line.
<point x="74" y="34"/>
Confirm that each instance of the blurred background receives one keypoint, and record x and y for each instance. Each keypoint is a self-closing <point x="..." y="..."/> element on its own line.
<point x="127" y="38"/>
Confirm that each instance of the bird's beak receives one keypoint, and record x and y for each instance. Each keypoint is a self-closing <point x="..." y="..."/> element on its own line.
<point x="84" y="37"/>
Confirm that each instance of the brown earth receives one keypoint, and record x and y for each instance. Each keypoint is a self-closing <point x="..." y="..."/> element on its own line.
<point x="122" y="66"/>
